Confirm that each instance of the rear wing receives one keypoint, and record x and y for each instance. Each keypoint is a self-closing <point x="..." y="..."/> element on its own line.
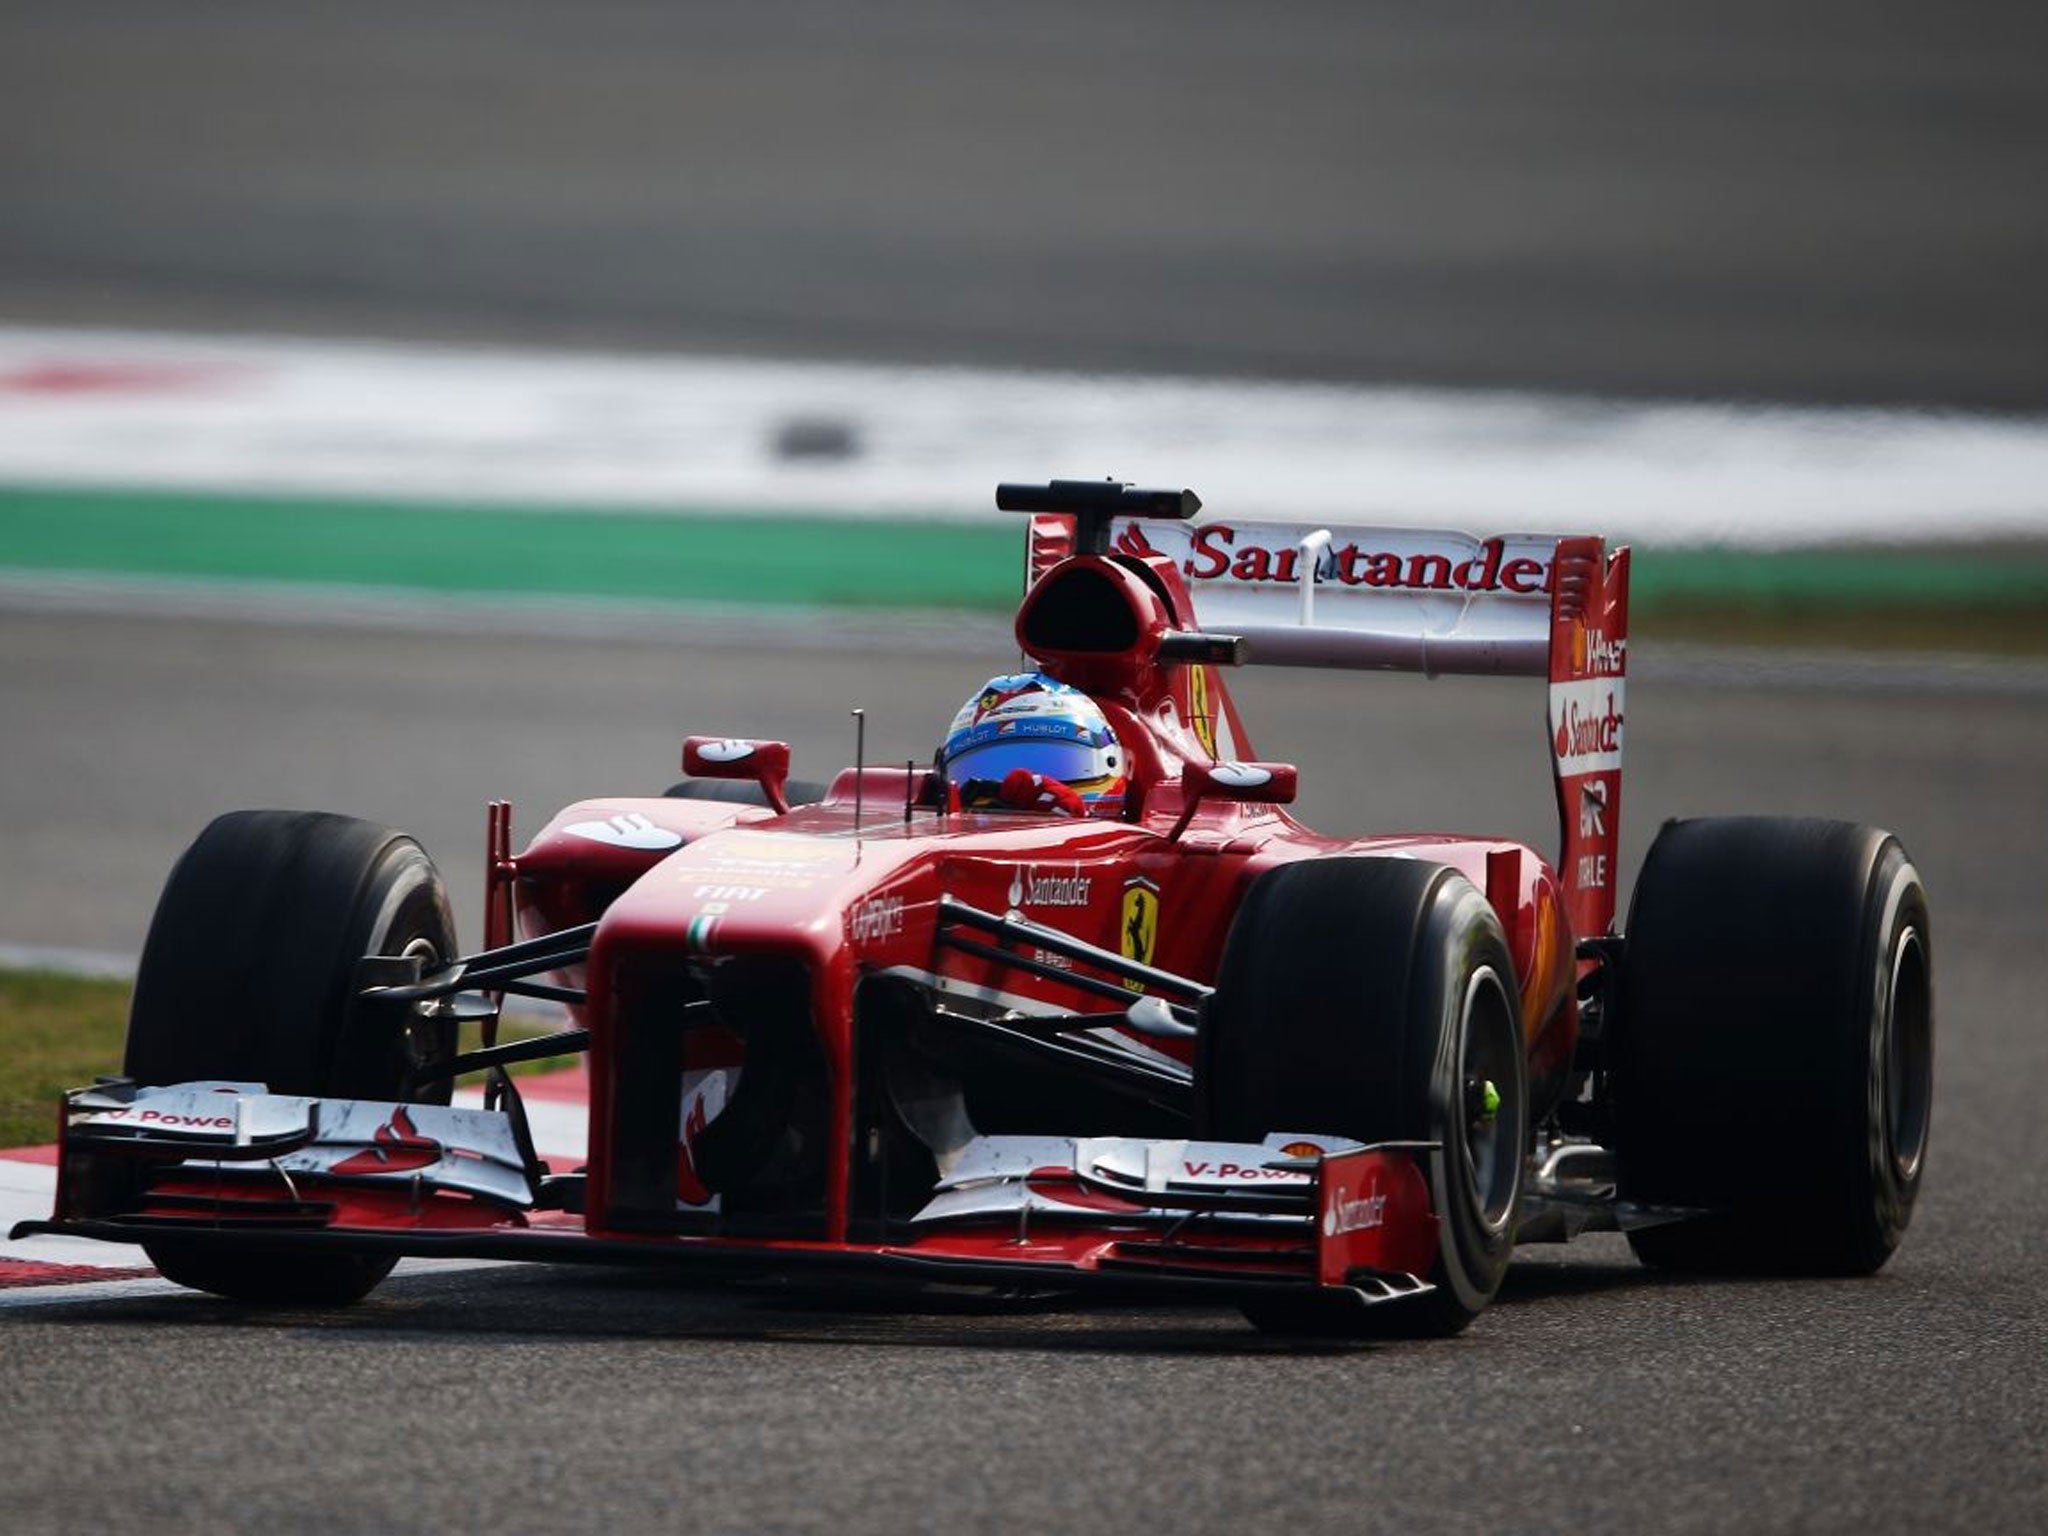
<point x="1432" y="601"/>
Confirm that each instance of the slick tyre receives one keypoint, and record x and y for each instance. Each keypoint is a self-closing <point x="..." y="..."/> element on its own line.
<point x="1774" y="1060"/>
<point x="1374" y="999"/>
<point x="248" y="976"/>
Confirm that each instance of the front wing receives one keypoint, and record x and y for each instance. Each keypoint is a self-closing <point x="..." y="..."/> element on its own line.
<point x="230" y="1163"/>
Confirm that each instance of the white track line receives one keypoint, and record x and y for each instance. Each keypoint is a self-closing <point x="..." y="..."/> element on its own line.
<point x="27" y="1191"/>
<point x="280" y="416"/>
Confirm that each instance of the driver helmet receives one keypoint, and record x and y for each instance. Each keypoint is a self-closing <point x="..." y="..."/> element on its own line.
<point x="1032" y="722"/>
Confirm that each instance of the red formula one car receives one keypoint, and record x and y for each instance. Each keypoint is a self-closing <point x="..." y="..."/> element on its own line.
<point x="1105" y="1019"/>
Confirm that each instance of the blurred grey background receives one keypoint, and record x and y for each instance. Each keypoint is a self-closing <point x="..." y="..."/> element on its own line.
<point x="1829" y="200"/>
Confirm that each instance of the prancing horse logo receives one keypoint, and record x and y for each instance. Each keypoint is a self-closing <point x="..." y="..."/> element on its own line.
<point x="1140" y="924"/>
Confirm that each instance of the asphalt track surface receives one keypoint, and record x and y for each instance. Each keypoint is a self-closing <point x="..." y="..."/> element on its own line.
<point x="1834" y="200"/>
<point x="1593" y="1397"/>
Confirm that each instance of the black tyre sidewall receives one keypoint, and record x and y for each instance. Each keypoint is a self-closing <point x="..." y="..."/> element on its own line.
<point x="1897" y="906"/>
<point x="1752" y="1060"/>
<point x="247" y="970"/>
<point x="1338" y="1010"/>
<point x="247" y="976"/>
<point x="1473" y="1254"/>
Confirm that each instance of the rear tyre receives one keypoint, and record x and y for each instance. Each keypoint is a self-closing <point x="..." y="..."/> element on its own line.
<point x="1375" y="999"/>
<point x="742" y="791"/>
<point x="247" y="975"/>
<point x="1775" y="1058"/>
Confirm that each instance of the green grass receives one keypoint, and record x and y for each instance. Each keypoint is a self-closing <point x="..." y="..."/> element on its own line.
<point x="59" y="1032"/>
<point x="56" y="1032"/>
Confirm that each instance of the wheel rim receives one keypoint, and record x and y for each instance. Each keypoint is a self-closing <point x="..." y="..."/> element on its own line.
<point x="1489" y="1048"/>
<point x="1908" y="1056"/>
<point x="420" y="1037"/>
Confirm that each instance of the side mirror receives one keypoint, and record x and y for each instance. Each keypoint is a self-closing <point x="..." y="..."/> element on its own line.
<point x="1244" y="783"/>
<point x="1255" y="783"/>
<point x="730" y="757"/>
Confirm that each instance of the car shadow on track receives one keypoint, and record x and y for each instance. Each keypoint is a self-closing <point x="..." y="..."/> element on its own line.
<point x="1550" y="1280"/>
<point x="572" y="1303"/>
<point x="563" y="1305"/>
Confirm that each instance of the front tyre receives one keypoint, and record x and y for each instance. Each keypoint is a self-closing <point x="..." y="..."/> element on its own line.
<point x="248" y="975"/>
<point x="1774" y="1065"/>
<point x="1376" y="999"/>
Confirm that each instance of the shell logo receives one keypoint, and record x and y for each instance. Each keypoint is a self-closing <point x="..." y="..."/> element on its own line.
<point x="1302" y="1149"/>
<point x="1240" y="775"/>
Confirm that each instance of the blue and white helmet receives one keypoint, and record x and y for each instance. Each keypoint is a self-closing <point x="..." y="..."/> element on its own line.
<point x="1028" y="720"/>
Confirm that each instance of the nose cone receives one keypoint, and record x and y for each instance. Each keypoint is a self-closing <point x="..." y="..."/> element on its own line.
<point x="745" y="890"/>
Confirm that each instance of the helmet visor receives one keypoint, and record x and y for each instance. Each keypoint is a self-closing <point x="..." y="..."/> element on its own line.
<point x="1071" y="762"/>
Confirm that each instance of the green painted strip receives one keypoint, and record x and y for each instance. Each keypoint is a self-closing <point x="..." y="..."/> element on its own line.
<point x="707" y="556"/>
<point x="733" y="556"/>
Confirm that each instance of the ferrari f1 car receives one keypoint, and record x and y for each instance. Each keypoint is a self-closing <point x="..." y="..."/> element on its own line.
<point x="1174" y="1045"/>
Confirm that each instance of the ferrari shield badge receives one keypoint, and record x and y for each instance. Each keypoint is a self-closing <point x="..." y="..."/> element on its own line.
<point x="1140" y="928"/>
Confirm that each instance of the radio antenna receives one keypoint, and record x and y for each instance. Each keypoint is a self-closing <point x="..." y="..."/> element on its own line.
<point x="909" y="778"/>
<point x="860" y="761"/>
